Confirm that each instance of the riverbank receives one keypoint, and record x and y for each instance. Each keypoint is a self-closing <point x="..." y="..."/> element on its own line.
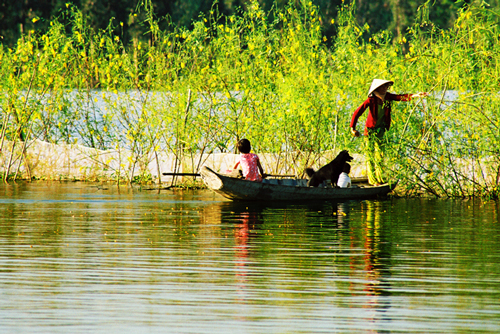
<point x="74" y="162"/>
<point x="62" y="162"/>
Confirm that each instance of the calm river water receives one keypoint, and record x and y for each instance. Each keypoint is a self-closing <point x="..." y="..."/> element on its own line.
<point x="82" y="258"/>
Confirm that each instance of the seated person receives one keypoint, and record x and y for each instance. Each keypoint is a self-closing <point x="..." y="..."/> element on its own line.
<point x="250" y="162"/>
<point x="344" y="179"/>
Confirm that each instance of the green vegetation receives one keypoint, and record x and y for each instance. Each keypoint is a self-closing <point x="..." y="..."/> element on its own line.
<point x="127" y="16"/>
<point x="273" y="77"/>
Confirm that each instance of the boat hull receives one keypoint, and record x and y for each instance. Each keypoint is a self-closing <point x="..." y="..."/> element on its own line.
<point x="285" y="190"/>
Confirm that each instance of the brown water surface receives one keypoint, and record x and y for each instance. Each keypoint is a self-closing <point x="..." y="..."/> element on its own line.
<point x="83" y="258"/>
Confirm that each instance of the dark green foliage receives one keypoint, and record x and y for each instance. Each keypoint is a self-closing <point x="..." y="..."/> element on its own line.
<point x="16" y="17"/>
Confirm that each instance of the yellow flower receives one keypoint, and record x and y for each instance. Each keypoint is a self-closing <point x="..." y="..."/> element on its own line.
<point x="35" y="19"/>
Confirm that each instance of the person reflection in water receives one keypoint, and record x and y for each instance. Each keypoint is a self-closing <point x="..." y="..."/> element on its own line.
<point x="376" y="262"/>
<point x="377" y="259"/>
<point x="249" y="221"/>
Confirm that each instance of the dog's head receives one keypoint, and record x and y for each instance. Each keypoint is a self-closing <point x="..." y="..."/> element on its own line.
<point x="344" y="155"/>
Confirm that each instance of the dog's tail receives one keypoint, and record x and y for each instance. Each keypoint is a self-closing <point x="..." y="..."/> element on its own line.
<point x="310" y="172"/>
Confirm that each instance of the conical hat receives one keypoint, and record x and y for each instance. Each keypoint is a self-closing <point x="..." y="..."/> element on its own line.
<point x="376" y="83"/>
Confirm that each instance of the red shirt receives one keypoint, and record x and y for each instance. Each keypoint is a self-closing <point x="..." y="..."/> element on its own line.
<point x="248" y="162"/>
<point x="371" y="104"/>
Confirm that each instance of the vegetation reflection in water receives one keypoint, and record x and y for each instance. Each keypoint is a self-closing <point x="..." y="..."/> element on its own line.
<point x="106" y="259"/>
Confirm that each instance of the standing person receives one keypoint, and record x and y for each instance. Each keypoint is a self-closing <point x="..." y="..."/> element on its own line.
<point x="250" y="162"/>
<point x="377" y="122"/>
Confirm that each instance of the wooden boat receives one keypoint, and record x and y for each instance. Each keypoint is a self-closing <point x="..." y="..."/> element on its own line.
<point x="286" y="189"/>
